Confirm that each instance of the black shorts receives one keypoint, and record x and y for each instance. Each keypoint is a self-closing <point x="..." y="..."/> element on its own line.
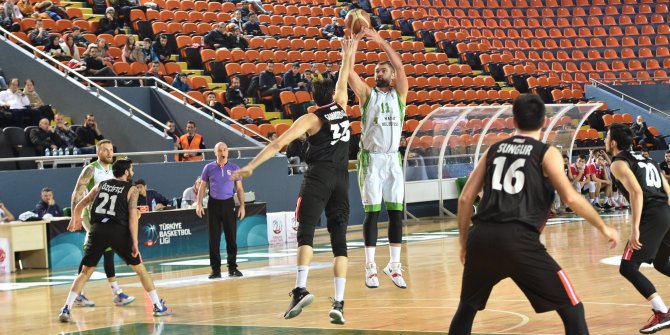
<point x="324" y="188"/>
<point x="654" y="234"/>
<point x="513" y="250"/>
<point x="103" y="236"/>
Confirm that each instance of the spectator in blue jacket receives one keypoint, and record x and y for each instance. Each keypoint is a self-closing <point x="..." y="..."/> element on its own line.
<point x="47" y="205"/>
<point x="148" y="52"/>
<point x="180" y="83"/>
<point x="293" y="80"/>
<point x="147" y="197"/>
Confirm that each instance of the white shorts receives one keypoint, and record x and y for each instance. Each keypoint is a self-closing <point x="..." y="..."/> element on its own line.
<point x="380" y="177"/>
<point x="590" y="186"/>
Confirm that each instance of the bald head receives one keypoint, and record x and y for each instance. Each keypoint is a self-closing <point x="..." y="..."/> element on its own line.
<point x="221" y="152"/>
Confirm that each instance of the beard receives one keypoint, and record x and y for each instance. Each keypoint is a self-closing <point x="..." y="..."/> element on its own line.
<point x="382" y="82"/>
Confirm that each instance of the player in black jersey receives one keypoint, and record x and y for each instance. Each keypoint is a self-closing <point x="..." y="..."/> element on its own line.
<point x="639" y="179"/>
<point x="518" y="176"/>
<point x="114" y="221"/>
<point x="326" y="182"/>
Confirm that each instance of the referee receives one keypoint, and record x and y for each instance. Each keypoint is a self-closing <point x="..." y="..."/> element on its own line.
<point x="221" y="209"/>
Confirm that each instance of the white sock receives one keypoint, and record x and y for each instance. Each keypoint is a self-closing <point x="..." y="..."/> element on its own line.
<point x="395" y="254"/>
<point x="115" y="288"/>
<point x="340" y="283"/>
<point x="369" y="255"/>
<point x="658" y="304"/>
<point x="301" y="278"/>
<point x="154" y="298"/>
<point x="71" y="298"/>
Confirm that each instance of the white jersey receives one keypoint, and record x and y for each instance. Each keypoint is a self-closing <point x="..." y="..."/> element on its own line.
<point x="100" y="174"/>
<point x="381" y="121"/>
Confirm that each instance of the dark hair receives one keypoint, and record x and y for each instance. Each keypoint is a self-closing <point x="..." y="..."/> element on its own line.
<point x="140" y="182"/>
<point x="75" y="28"/>
<point x="528" y="112"/>
<point x="667" y="152"/>
<point x="582" y="156"/>
<point x="387" y="63"/>
<point x="120" y="167"/>
<point x="622" y="134"/>
<point x="46" y="189"/>
<point x="566" y="157"/>
<point x="30" y="80"/>
<point x="644" y="150"/>
<point x="323" y="91"/>
<point x="191" y="122"/>
<point x="146" y="40"/>
<point x="296" y="64"/>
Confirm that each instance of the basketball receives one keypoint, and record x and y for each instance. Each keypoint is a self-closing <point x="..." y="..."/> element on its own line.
<point x="357" y="20"/>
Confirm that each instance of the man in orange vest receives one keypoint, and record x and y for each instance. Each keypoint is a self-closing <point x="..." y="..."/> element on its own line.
<point x="190" y="141"/>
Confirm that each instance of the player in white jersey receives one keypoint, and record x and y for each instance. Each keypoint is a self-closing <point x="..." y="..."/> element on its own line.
<point x="91" y="176"/>
<point x="380" y="173"/>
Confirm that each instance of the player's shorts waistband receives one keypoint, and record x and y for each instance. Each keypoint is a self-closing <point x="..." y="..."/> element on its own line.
<point x="379" y="152"/>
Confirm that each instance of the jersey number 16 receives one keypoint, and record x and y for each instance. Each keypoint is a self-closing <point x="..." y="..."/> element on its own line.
<point x="513" y="180"/>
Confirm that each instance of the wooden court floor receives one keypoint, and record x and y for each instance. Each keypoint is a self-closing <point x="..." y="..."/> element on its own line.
<point x="255" y="303"/>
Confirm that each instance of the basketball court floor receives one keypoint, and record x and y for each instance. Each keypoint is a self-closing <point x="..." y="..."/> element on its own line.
<point x="254" y="304"/>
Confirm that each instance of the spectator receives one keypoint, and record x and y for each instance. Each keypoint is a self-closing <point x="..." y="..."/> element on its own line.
<point x="253" y="27"/>
<point x="297" y="152"/>
<point x="161" y="48"/>
<point x="108" y="24"/>
<point x="6" y="21"/>
<point x="95" y="65"/>
<point x="665" y="168"/>
<point x="292" y="79"/>
<point x="190" y="141"/>
<point x="47" y="205"/>
<point x="148" y="53"/>
<point x="5" y="214"/>
<point x="234" y="95"/>
<point x="190" y="195"/>
<point x="645" y="153"/>
<point x="267" y="85"/>
<point x="180" y="82"/>
<point x="155" y="71"/>
<point x="70" y="48"/>
<point x="43" y="137"/>
<point x="316" y="75"/>
<point x="39" y="35"/>
<point x="217" y="38"/>
<point x="36" y="102"/>
<point x="150" y="198"/>
<point x="603" y="181"/>
<point x="329" y="73"/>
<point x="132" y="52"/>
<point x="272" y="136"/>
<point x="583" y="179"/>
<point x="67" y="136"/>
<point x="217" y="105"/>
<point x="235" y="38"/>
<point x="25" y="8"/>
<point x="103" y="50"/>
<point x="333" y="31"/>
<point x="79" y="38"/>
<point x="171" y="131"/>
<point x="3" y="82"/>
<point x="13" y="11"/>
<point x="55" y="50"/>
<point x="641" y="133"/>
<point x="88" y="134"/>
<point x="18" y="105"/>
<point x="307" y="77"/>
<point x="123" y="7"/>
<point x="238" y="20"/>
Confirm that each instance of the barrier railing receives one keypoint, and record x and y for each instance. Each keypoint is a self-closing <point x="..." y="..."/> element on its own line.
<point x="624" y="96"/>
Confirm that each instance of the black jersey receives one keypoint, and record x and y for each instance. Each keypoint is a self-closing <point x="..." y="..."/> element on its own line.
<point x="648" y="176"/>
<point x="331" y="143"/>
<point x="111" y="203"/>
<point x="515" y="188"/>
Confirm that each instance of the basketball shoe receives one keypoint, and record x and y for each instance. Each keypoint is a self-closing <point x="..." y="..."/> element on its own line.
<point x="161" y="310"/>
<point x="122" y="299"/>
<point x="64" y="315"/>
<point x="394" y="271"/>
<point x="371" y="279"/>
<point x="82" y="301"/>
<point x="337" y="312"/>
<point x="300" y="298"/>
<point x="656" y="322"/>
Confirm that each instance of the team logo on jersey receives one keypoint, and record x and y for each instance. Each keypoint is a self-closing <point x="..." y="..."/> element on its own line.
<point x="228" y="172"/>
<point x="150" y="234"/>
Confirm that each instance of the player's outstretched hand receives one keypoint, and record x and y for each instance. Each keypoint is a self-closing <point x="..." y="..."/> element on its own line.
<point x="241" y="173"/>
<point x="612" y="236"/>
<point x="75" y="224"/>
<point x="635" y="239"/>
<point x="373" y="34"/>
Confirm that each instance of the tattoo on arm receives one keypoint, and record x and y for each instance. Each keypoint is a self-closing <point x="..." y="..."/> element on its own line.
<point x="82" y="183"/>
<point x="132" y="201"/>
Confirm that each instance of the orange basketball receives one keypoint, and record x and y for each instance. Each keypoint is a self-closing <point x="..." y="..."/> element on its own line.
<point x="356" y="20"/>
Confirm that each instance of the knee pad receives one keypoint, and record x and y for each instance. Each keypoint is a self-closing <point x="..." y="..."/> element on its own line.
<point x="628" y="269"/>
<point x="306" y="235"/>
<point x="395" y="227"/>
<point x="338" y="239"/>
<point x="370" y="228"/>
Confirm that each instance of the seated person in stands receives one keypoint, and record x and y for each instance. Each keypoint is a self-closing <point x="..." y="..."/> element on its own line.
<point x="267" y="85"/>
<point x="333" y="31"/>
<point x="155" y="71"/>
<point x="108" y="24"/>
<point x="147" y="197"/>
<point x="67" y="136"/>
<point x="148" y="52"/>
<point x="47" y="204"/>
<point x="162" y="49"/>
<point x="235" y="38"/>
<point x="16" y="107"/>
<point x="5" y="214"/>
<point x="88" y="134"/>
<point x="190" y="195"/>
<point x="190" y="141"/>
<point x="36" y="102"/>
<point x="79" y="38"/>
<point x="665" y="166"/>
<point x="238" y="20"/>
<point x="217" y="38"/>
<point x="234" y="95"/>
<point x="329" y="73"/>
<point x="216" y="105"/>
<point x="253" y="27"/>
<point x="95" y="65"/>
<point x="123" y="7"/>
<point x="6" y="21"/>
<point x="55" y="50"/>
<point x="171" y="131"/>
<point x="297" y="152"/>
<point x="293" y="80"/>
<point x="180" y="82"/>
<point x="641" y="133"/>
<point x="43" y="137"/>
<point x="39" y="35"/>
<point x="132" y="52"/>
<point x="70" y="47"/>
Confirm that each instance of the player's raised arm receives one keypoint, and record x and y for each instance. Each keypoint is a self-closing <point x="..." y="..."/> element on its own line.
<point x="401" y="84"/>
<point x="349" y="47"/>
<point x="360" y="88"/>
